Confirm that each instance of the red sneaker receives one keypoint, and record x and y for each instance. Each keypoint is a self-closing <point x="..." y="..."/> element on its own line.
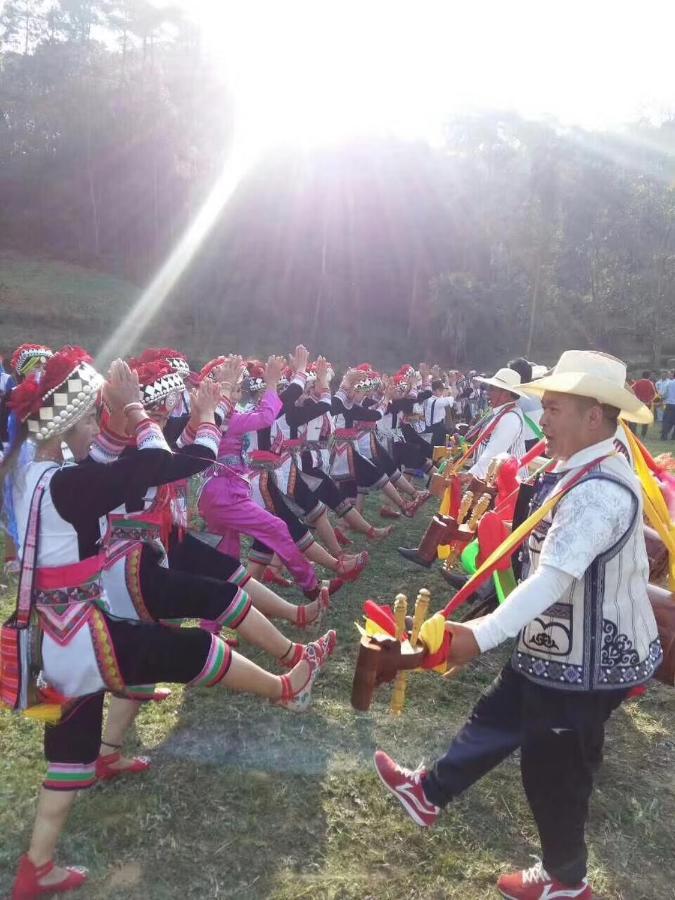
<point x="406" y="786"/>
<point x="536" y="884"/>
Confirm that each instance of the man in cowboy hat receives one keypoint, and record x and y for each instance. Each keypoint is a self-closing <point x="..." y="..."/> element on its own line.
<point x="585" y="627"/>
<point x="504" y="431"/>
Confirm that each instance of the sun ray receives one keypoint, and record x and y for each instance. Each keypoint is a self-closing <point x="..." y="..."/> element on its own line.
<point x="241" y="159"/>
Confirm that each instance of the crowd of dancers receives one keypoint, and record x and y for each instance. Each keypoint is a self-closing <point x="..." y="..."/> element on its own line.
<point x="104" y="480"/>
<point x="125" y="497"/>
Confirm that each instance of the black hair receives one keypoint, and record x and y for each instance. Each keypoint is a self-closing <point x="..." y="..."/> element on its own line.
<point x="523" y="368"/>
<point x="437" y="384"/>
<point x="646" y="374"/>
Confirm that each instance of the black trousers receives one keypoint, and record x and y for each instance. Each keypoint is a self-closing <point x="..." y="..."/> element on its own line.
<point x="668" y="424"/>
<point x="299" y="531"/>
<point x="189" y="554"/>
<point x="424" y="448"/>
<point x="328" y="491"/>
<point x="145" y="654"/>
<point x="560" y="735"/>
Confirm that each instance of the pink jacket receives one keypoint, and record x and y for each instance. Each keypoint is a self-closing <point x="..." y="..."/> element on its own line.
<point x="263" y="416"/>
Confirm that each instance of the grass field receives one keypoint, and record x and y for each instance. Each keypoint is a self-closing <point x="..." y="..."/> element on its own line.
<point x="58" y="302"/>
<point x="248" y="801"/>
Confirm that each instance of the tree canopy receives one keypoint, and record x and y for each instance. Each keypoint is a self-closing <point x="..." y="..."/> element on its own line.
<point x="512" y="237"/>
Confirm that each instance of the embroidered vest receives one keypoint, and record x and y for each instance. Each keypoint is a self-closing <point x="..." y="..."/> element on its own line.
<point x="601" y="635"/>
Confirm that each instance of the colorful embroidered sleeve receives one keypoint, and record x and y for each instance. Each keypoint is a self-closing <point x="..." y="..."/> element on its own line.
<point x="300" y="379"/>
<point x="107" y="446"/>
<point x="206" y="436"/>
<point x="149" y="436"/>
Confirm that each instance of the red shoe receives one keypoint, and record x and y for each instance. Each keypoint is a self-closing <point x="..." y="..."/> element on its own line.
<point x="406" y="786"/>
<point x="315" y="655"/>
<point x="388" y="513"/>
<point x="423" y="496"/>
<point x="324" y="647"/>
<point x="334" y="585"/>
<point x="105" y="764"/>
<point x="355" y="572"/>
<point x="324" y="605"/>
<point x="536" y="884"/>
<point x="271" y="576"/>
<point x="319" y="651"/>
<point x="342" y="538"/>
<point x="409" y="509"/>
<point x="27" y="884"/>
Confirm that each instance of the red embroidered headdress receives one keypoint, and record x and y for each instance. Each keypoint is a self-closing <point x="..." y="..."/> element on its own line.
<point x="65" y="392"/>
<point x="160" y="385"/>
<point x="28" y="356"/>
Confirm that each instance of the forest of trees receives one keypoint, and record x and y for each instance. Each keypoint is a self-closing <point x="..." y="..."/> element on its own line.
<point x="514" y="237"/>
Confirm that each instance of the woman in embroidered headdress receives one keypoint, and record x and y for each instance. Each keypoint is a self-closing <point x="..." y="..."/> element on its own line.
<point x="84" y="651"/>
<point x="229" y="506"/>
<point x="188" y="550"/>
<point x="304" y="396"/>
<point x="26" y="359"/>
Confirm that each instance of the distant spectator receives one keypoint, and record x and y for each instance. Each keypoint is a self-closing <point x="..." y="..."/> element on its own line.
<point x="645" y="390"/>
<point x="668" y="395"/>
<point x="659" y="387"/>
<point x="435" y="408"/>
<point x="529" y="406"/>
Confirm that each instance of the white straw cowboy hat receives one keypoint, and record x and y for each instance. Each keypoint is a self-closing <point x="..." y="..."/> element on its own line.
<point x="506" y="379"/>
<point x="587" y="373"/>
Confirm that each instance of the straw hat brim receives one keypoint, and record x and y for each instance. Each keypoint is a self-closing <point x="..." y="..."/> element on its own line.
<point x="502" y="385"/>
<point x="584" y="385"/>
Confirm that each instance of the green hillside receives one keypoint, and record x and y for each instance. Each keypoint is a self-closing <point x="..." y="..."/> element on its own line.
<point x="56" y="302"/>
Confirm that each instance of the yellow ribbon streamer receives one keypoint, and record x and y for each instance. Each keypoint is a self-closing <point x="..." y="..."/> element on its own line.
<point x="655" y="506"/>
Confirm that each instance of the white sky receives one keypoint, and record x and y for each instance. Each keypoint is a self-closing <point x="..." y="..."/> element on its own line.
<point x="311" y="70"/>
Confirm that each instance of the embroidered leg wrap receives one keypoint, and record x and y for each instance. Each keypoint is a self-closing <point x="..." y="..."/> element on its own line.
<point x="259" y="553"/>
<point x="236" y="611"/>
<point x="315" y="513"/>
<point x="304" y="542"/>
<point x="70" y="776"/>
<point x="71" y="746"/>
<point x="216" y="666"/>
<point x="343" y="507"/>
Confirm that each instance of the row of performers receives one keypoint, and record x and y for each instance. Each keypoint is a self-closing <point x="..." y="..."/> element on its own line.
<point x="590" y="630"/>
<point x="96" y="490"/>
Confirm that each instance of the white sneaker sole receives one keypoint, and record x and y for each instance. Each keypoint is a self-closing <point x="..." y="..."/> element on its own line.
<point x="403" y="801"/>
<point x="511" y="897"/>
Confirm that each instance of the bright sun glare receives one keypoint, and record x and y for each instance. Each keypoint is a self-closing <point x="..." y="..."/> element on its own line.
<point x="311" y="71"/>
<point x="307" y="72"/>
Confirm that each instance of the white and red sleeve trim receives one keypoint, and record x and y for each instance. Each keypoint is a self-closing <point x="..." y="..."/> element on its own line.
<point x="208" y="436"/>
<point x="149" y="436"/>
<point x="343" y="397"/>
<point x="107" y="446"/>
<point x="187" y="437"/>
<point x="324" y="397"/>
<point x="299" y="378"/>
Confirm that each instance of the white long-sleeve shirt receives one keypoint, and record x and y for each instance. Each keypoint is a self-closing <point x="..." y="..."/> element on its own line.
<point x="586" y="524"/>
<point x="508" y="437"/>
<point x="434" y="409"/>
